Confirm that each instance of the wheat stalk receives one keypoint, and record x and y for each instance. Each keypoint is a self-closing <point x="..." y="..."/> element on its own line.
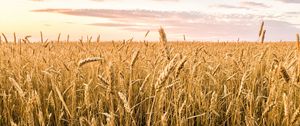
<point x="61" y="98"/>
<point x="261" y="29"/>
<point x="103" y="80"/>
<point x="98" y="38"/>
<point x="144" y="82"/>
<point x="263" y="36"/>
<point x="295" y="116"/>
<point x="146" y="34"/>
<point x="86" y="94"/>
<point x="284" y="74"/>
<point x="6" y="41"/>
<point x="111" y="90"/>
<point x="58" y="38"/>
<point x="180" y="66"/>
<point x="163" y="41"/>
<point x="88" y="60"/>
<point x="134" y="58"/>
<point x="68" y="38"/>
<point x="15" y="38"/>
<point x="286" y="105"/>
<point x="90" y="39"/>
<point x="42" y="38"/>
<point x="163" y="36"/>
<point x="17" y="87"/>
<point x="125" y="102"/>
<point x="268" y="108"/>
<point x="165" y="73"/>
<point x="26" y="39"/>
<point x="164" y="119"/>
<point x="245" y="76"/>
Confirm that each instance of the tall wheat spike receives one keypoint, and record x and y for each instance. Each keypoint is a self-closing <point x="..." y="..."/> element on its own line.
<point x="27" y="39"/>
<point x="146" y="34"/>
<point x="68" y="38"/>
<point x="42" y="38"/>
<point x="58" y="38"/>
<point x="98" y="38"/>
<point x="6" y="41"/>
<point x="163" y="41"/>
<point x="89" y="39"/>
<point x="15" y="38"/>
<point x="262" y="32"/>
<point x="261" y="29"/>
<point x="263" y="36"/>
<point x="163" y="36"/>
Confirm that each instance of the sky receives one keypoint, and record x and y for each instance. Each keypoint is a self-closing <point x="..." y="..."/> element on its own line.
<point x="199" y="20"/>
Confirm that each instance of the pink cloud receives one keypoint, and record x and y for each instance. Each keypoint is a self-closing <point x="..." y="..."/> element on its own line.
<point x="195" y="24"/>
<point x="290" y="1"/>
<point x="253" y="4"/>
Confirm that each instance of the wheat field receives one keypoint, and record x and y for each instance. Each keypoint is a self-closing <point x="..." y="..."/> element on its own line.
<point x="149" y="83"/>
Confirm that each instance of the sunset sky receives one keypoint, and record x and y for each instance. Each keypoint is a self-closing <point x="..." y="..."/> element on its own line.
<point x="125" y="19"/>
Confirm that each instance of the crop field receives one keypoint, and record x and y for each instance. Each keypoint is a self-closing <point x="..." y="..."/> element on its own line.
<point x="149" y="83"/>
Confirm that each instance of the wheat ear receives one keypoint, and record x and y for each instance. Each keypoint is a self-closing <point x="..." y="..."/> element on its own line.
<point x="88" y="60"/>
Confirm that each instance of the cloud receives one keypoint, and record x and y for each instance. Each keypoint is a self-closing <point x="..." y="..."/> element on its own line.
<point x="290" y="1"/>
<point x="242" y="5"/>
<point x="195" y="24"/>
<point x="230" y="6"/>
<point x="113" y="24"/>
<point x="253" y="4"/>
<point x="293" y="13"/>
<point x="168" y="0"/>
<point x="49" y="0"/>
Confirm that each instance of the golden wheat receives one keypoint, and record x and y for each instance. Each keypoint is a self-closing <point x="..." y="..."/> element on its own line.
<point x="132" y="83"/>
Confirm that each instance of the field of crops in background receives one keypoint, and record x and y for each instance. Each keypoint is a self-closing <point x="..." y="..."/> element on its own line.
<point x="130" y="83"/>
